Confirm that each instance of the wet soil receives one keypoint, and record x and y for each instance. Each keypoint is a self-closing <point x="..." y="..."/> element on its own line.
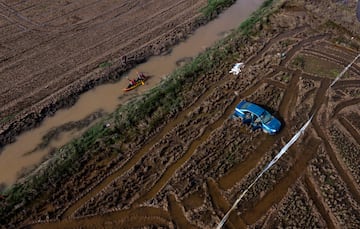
<point x="188" y="174"/>
<point x="109" y="96"/>
<point x="50" y="59"/>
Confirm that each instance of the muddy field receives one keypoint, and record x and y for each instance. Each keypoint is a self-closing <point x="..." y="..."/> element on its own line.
<point x="51" y="52"/>
<point x="190" y="172"/>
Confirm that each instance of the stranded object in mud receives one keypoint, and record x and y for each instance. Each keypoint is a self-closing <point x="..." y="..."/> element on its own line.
<point x="141" y="78"/>
<point x="257" y="117"/>
<point x="236" y="69"/>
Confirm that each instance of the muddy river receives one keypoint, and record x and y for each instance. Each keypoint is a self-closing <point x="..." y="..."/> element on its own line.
<point x="23" y="154"/>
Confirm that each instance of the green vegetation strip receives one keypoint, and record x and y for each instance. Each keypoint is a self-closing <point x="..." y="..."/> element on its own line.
<point x="214" y="6"/>
<point x="138" y="117"/>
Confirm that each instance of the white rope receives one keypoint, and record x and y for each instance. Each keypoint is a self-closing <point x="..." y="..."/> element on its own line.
<point x="267" y="167"/>
<point x="343" y="72"/>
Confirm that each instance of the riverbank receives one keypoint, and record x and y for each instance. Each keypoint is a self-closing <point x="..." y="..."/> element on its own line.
<point x="20" y="114"/>
<point x="122" y="121"/>
<point x="174" y="158"/>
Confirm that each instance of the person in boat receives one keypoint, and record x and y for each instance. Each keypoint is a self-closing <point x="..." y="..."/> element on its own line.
<point x="141" y="76"/>
<point x="131" y="82"/>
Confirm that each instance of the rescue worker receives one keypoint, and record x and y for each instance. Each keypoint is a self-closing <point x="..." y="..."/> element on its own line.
<point x="131" y="82"/>
<point x="141" y="76"/>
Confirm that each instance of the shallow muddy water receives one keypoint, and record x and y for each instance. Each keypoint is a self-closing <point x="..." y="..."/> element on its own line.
<point x="16" y="157"/>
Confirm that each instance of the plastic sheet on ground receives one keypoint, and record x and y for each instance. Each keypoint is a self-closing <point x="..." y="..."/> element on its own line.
<point x="236" y="69"/>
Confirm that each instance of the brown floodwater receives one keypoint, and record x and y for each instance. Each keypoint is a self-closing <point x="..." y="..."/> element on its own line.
<point x="16" y="159"/>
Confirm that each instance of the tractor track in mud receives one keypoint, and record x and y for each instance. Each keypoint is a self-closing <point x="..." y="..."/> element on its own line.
<point x="350" y="102"/>
<point x="128" y="165"/>
<point x="85" y="63"/>
<point x="267" y="201"/>
<point x="346" y="84"/>
<point x="319" y="202"/>
<point x="143" y="216"/>
<point x="136" y="49"/>
<point x="222" y="205"/>
<point x="187" y="189"/>
<point x="138" y="155"/>
<point x="353" y="132"/>
<point x="280" y="189"/>
<point x="338" y="165"/>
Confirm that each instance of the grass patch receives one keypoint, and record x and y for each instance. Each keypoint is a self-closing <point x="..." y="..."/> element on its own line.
<point x="247" y="27"/>
<point x="104" y="64"/>
<point x="214" y="6"/>
<point x="64" y="163"/>
<point x="7" y="119"/>
<point x="334" y="73"/>
<point x="299" y="62"/>
<point x="286" y="78"/>
<point x="318" y="66"/>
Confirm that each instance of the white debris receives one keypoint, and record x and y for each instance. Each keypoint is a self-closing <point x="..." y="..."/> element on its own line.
<point x="237" y="68"/>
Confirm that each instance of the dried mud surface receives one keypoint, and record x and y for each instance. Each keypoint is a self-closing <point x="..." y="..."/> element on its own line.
<point x="193" y="169"/>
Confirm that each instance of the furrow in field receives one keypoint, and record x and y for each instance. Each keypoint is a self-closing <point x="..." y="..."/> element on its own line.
<point x="55" y="57"/>
<point x="347" y="103"/>
<point x="85" y="65"/>
<point x="350" y="128"/>
<point x="138" y="217"/>
<point x="320" y="204"/>
<point x="278" y="192"/>
<point x="136" y="158"/>
<point x="221" y="204"/>
<point x="340" y="167"/>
